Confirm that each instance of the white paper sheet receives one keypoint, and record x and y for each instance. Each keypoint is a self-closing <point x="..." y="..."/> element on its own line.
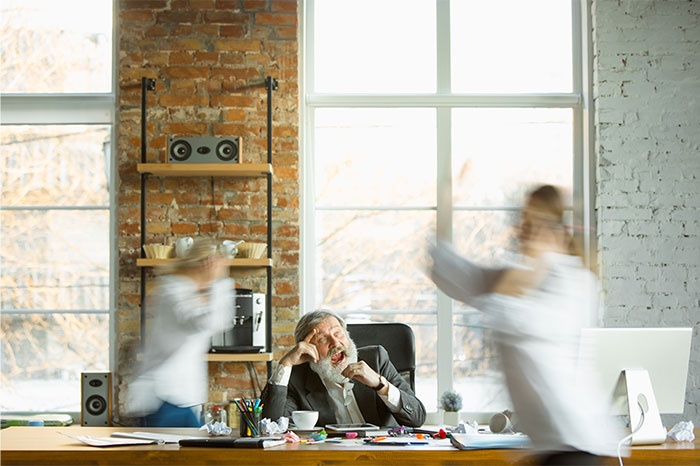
<point x="107" y="441"/>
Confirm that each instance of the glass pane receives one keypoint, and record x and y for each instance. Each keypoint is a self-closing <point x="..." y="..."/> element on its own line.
<point x="366" y="46"/>
<point x="50" y="46"/>
<point x="511" y="46"/>
<point x="55" y="165"/>
<point x="477" y="374"/>
<point x="43" y="355"/>
<point x="55" y="259"/>
<point x="485" y="237"/>
<point x="373" y="260"/>
<point x="389" y="153"/>
<point x="498" y="154"/>
<point x="425" y="332"/>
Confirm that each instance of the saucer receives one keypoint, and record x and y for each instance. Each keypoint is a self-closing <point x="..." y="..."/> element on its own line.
<point x="298" y="431"/>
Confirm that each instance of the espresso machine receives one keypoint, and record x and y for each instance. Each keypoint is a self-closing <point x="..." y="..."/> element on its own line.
<point x="248" y="323"/>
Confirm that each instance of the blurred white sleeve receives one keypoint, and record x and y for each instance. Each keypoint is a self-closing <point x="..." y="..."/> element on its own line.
<point x="457" y="277"/>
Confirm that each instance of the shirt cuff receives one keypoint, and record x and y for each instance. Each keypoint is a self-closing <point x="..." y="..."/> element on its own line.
<point x="392" y="399"/>
<point x="281" y="375"/>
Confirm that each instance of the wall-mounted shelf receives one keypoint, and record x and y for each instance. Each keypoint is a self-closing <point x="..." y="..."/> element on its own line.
<point x="206" y="169"/>
<point x="239" y="263"/>
<point x="239" y="357"/>
<point x="240" y="170"/>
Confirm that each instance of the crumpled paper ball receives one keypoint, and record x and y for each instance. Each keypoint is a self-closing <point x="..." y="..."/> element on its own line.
<point x="468" y="427"/>
<point x="270" y="427"/>
<point x="682" y="432"/>
<point x="217" y="428"/>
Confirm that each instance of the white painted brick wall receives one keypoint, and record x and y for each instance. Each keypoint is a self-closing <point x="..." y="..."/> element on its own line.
<point x="647" y="99"/>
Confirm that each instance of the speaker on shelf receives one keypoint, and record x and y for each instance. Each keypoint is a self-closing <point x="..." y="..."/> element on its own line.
<point x="96" y="398"/>
<point x="204" y="150"/>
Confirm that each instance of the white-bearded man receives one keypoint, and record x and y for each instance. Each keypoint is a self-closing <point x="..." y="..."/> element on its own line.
<point x="325" y="372"/>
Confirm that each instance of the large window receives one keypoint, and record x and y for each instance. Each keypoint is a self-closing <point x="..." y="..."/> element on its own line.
<point x="56" y="78"/>
<point x="425" y="119"/>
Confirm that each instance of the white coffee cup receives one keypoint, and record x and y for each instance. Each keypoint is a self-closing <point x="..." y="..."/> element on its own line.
<point x="305" y="420"/>
<point x="500" y="423"/>
<point x="183" y="245"/>
<point x="229" y="248"/>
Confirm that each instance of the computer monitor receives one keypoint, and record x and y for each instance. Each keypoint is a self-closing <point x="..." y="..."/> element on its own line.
<point x="643" y="371"/>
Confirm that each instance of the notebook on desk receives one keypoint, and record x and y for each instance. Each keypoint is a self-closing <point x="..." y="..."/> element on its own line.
<point x="229" y="442"/>
<point x="489" y="441"/>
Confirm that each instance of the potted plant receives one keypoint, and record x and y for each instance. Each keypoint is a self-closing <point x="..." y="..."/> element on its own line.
<point x="451" y="403"/>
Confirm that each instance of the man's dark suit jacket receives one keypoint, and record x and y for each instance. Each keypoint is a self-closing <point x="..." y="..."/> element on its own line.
<point x="305" y="391"/>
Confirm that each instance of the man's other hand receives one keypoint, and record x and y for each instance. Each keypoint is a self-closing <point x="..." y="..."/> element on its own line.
<point x="361" y="372"/>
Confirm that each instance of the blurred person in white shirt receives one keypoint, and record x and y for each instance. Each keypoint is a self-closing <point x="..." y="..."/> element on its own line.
<point x="537" y="311"/>
<point x="193" y="300"/>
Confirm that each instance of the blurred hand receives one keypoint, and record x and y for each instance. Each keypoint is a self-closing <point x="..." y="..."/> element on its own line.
<point x="361" y="372"/>
<point x="304" y="351"/>
<point x="214" y="268"/>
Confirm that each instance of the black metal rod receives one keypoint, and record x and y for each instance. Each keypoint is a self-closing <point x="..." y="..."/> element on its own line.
<point x="146" y="85"/>
<point x="271" y="85"/>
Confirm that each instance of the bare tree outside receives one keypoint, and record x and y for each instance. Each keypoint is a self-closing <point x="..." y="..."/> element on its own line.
<point x="375" y="216"/>
<point x="54" y="223"/>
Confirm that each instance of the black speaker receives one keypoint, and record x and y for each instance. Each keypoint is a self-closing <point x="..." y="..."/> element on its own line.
<point x="96" y="398"/>
<point x="204" y="150"/>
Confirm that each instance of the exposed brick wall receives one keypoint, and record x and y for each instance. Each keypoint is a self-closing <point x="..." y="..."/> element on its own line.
<point x="647" y="98"/>
<point x="209" y="59"/>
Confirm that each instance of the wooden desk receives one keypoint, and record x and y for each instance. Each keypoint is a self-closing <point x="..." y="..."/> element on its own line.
<point x="43" y="445"/>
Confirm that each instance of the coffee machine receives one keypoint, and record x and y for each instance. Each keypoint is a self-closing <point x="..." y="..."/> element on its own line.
<point x="248" y="323"/>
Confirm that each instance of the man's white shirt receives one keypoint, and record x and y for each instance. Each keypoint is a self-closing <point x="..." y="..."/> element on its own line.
<point x="342" y="397"/>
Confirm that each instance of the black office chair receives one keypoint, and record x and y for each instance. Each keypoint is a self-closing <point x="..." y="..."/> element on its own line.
<point x="396" y="338"/>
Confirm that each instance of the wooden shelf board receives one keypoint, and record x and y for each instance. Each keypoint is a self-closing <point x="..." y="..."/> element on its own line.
<point x="243" y="263"/>
<point x="239" y="357"/>
<point x="206" y="169"/>
<point x="230" y="357"/>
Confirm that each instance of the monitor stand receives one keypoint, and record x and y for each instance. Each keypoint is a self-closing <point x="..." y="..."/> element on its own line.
<point x="634" y="388"/>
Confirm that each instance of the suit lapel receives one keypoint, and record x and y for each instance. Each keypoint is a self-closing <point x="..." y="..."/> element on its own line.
<point x="317" y="396"/>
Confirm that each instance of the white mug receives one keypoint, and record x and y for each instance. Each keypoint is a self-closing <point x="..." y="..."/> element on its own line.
<point x="500" y="423"/>
<point x="182" y="246"/>
<point x="229" y="248"/>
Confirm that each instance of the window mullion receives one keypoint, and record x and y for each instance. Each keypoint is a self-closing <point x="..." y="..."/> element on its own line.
<point x="444" y="69"/>
<point x="444" y="192"/>
<point x="54" y="109"/>
<point x="444" y="232"/>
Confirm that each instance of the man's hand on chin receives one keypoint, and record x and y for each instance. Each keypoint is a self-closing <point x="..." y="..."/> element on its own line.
<point x="361" y="372"/>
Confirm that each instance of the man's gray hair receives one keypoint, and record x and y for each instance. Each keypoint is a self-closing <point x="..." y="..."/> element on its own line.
<point x="307" y="323"/>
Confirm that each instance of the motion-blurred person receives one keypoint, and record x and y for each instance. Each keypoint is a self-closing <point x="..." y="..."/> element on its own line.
<point x="537" y="312"/>
<point x="192" y="298"/>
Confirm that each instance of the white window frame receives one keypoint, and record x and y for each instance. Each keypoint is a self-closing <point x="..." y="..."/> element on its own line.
<point x="77" y="109"/>
<point x="580" y="101"/>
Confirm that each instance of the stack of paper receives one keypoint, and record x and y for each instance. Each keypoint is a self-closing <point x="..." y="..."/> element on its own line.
<point x="490" y="441"/>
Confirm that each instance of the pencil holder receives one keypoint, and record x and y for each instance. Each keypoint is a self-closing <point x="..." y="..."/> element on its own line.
<point x="249" y="418"/>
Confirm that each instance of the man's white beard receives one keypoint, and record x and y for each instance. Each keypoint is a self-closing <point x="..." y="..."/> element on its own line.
<point x="328" y="371"/>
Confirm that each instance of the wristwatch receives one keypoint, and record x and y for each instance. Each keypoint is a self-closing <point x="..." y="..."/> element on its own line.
<point x="381" y="384"/>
